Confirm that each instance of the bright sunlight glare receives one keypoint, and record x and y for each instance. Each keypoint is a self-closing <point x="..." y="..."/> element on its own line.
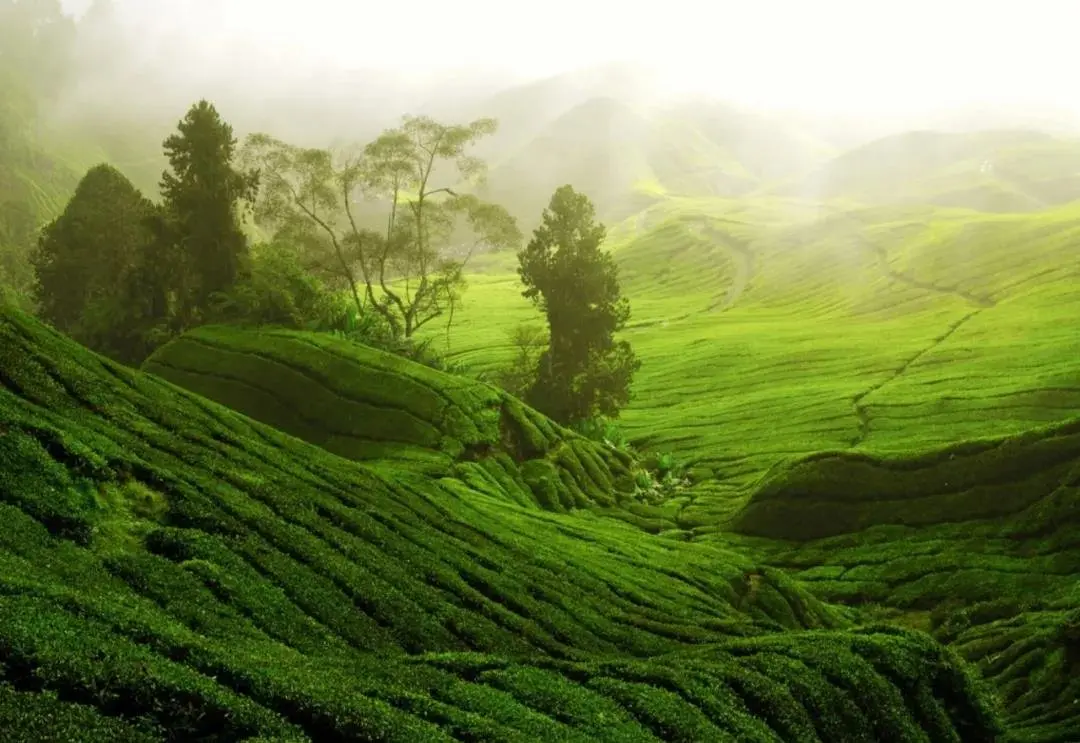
<point x="845" y="56"/>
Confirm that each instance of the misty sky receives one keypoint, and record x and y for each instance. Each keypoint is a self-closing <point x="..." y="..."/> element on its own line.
<point x="844" y="56"/>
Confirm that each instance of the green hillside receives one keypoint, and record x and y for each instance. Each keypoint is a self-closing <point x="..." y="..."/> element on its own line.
<point x="760" y="326"/>
<point x="173" y="566"/>
<point x="976" y="542"/>
<point x="866" y="363"/>
<point x="895" y="389"/>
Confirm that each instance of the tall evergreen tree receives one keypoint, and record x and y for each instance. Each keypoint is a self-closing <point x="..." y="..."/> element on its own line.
<point x="91" y="266"/>
<point x="202" y="197"/>
<point x="584" y="372"/>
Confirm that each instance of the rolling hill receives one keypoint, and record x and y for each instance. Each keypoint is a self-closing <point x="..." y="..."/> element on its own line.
<point x="625" y="153"/>
<point x="595" y="144"/>
<point x="174" y="569"/>
<point x="369" y="405"/>
<point x="749" y="312"/>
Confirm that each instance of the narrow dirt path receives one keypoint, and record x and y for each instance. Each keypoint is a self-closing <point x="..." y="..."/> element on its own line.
<point x="981" y="303"/>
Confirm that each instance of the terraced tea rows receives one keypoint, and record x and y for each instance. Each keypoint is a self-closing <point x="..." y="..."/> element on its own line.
<point x="975" y="312"/>
<point x="170" y="567"/>
<point x="977" y="542"/>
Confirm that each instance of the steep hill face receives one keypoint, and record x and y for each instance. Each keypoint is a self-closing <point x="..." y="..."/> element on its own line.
<point x="366" y="404"/>
<point x="33" y="183"/>
<point x="767" y="148"/>
<point x="170" y="569"/>
<point x="525" y="110"/>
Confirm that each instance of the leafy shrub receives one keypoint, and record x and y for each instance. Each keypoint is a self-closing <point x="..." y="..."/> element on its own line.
<point x="371" y="329"/>
<point x="605" y="431"/>
<point x="279" y="291"/>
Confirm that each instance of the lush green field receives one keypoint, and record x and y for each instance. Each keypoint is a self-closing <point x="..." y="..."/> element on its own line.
<point x="190" y="570"/>
<point x="768" y="330"/>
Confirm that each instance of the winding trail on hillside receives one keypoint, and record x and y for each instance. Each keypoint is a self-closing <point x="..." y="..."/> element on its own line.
<point x="743" y="259"/>
<point x="981" y="303"/>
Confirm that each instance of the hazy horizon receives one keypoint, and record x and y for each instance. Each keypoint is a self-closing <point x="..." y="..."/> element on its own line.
<point x="833" y="57"/>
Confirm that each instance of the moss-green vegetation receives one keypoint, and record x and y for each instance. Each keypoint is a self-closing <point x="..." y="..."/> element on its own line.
<point x="977" y="543"/>
<point x="266" y="589"/>
<point x="366" y="404"/>
<point x="1031" y="477"/>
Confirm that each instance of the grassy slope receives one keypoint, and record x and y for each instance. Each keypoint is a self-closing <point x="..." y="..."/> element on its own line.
<point x="877" y="335"/>
<point x="978" y="542"/>
<point x="169" y="565"/>
<point x="365" y="404"/>
<point x="761" y="334"/>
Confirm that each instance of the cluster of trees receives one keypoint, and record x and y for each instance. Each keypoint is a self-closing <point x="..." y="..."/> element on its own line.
<point x="38" y="51"/>
<point x="373" y="240"/>
<point x="121" y="274"/>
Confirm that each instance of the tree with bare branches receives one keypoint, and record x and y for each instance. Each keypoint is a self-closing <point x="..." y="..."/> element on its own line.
<point x="421" y="172"/>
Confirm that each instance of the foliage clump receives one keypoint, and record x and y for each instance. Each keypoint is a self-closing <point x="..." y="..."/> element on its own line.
<point x="407" y="267"/>
<point x="96" y="266"/>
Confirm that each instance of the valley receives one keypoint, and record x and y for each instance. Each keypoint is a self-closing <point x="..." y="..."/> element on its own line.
<point x="842" y="502"/>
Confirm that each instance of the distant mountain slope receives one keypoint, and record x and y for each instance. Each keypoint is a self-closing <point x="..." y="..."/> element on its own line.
<point x="525" y="110"/>
<point x="768" y="148"/>
<point x="173" y="570"/>
<point x="596" y="147"/>
<point x="995" y="171"/>
<point x="29" y="174"/>
<point x="622" y="155"/>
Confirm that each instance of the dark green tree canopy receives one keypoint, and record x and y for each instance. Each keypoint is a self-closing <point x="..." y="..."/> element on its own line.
<point x="88" y="255"/>
<point x="202" y="195"/>
<point x="585" y="372"/>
